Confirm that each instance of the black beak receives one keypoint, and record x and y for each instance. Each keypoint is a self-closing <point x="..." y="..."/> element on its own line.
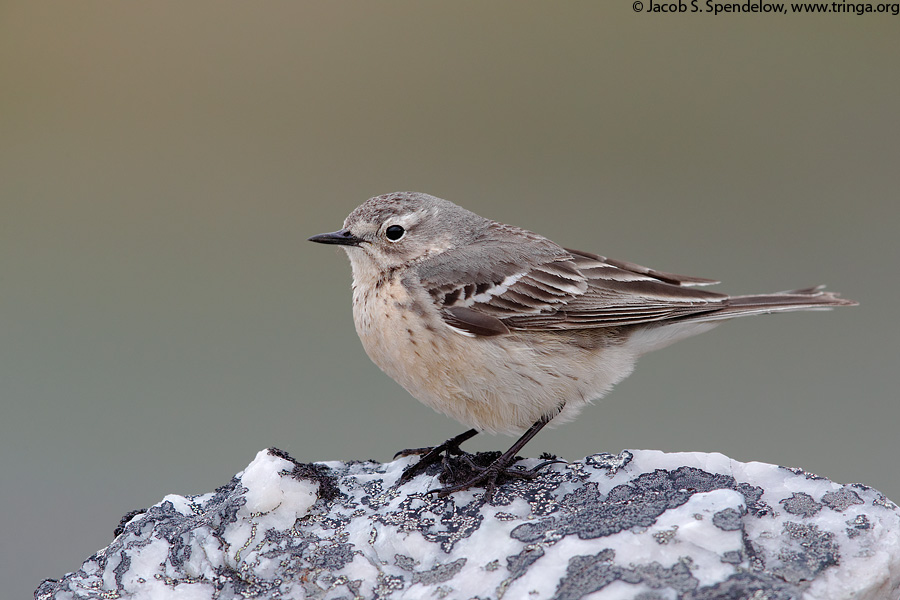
<point x="342" y="238"/>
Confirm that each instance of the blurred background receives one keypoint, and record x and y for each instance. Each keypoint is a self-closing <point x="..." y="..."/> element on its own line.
<point x="163" y="318"/>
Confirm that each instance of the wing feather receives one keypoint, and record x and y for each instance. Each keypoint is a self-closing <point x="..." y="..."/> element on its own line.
<point x="530" y="283"/>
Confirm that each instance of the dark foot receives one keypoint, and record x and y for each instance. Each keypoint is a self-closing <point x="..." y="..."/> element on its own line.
<point x="480" y="475"/>
<point x="490" y="476"/>
<point x="433" y="454"/>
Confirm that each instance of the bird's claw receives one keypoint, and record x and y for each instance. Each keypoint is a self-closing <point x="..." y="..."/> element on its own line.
<point x="413" y="452"/>
<point x="490" y="476"/>
<point x="429" y="457"/>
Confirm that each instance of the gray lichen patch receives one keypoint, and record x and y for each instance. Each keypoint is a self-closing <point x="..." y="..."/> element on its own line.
<point x="801" y="504"/>
<point x="858" y="526"/>
<point x="589" y="514"/>
<point x="588" y="574"/>
<point x="439" y="573"/>
<point x="807" y="552"/>
<point x="611" y="463"/>
<point x="728" y="519"/>
<point x="439" y="520"/>
<point x="841" y="499"/>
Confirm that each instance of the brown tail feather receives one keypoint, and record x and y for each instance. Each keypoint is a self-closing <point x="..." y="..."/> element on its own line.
<point x="814" y="298"/>
<point x="645" y="339"/>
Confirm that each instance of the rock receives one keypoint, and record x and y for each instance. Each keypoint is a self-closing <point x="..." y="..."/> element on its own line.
<point x="642" y="524"/>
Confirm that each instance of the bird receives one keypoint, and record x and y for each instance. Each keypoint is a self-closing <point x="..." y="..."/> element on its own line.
<point x="506" y="331"/>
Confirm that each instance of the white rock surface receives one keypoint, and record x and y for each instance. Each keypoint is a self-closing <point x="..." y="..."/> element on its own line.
<point x="644" y="525"/>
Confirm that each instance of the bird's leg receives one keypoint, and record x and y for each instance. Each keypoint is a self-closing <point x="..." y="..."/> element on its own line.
<point x="431" y="455"/>
<point x="500" y="467"/>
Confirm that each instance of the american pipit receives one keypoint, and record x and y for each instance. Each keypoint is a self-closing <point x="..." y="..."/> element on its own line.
<point x="504" y="330"/>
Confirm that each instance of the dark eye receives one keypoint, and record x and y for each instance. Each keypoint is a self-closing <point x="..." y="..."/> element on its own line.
<point x="394" y="232"/>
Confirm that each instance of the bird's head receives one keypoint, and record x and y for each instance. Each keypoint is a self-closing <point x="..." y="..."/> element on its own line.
<point x="401" y="229"/>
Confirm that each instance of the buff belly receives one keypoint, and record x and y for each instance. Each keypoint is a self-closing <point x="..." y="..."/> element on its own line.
<point x="493" y="384"/>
